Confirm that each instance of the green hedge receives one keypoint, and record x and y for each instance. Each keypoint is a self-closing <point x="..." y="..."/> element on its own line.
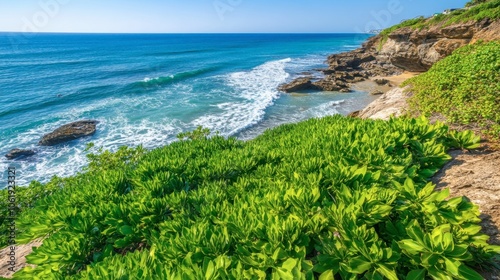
<point x="332" y="196"/>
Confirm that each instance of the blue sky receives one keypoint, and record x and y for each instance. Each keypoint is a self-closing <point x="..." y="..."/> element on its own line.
<point x="200" y="16"/>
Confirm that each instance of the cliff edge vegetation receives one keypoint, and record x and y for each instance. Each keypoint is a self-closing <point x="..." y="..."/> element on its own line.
<point x="475" y="11"/>
<point x="330" y="198"/>
<point x="325" y="198"/>
<point x="462" y="89"/>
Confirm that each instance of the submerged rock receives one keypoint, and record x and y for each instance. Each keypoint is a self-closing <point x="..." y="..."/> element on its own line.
<point x="17" y="153"/>
<point x="69" y="132"/>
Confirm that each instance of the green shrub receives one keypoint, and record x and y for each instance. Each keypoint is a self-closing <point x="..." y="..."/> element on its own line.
<point x="26" y="197"/>
<point x="407" y="23"/>
<point x="481" y="10"/>
<point x="489" y="9"/>
<point x="332" y="196"/>
<point x="463" y="87"/>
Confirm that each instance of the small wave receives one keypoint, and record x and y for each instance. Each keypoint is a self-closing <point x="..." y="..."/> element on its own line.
<point x="46" y="63"/>
<point x="326" y="109"/>
<point x="162" y="81"/>
<point x="178" y="52"/>
<point x="85" y="95"/>
<point x="254" y="92"/>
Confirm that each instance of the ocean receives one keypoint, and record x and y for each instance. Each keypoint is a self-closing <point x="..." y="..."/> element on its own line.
<point x="147" y="88"/>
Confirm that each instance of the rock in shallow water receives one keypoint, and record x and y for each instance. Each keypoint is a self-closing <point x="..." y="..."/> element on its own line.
<point x="299" y="84"/>
<point x="69" y="132"/>
<point x="17" y="153"/>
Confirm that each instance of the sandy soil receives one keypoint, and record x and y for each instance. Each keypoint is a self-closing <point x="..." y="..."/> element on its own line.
<point x="394" y="81"/>
<point x="21" y="252"/>
<point x="476" y="175"/>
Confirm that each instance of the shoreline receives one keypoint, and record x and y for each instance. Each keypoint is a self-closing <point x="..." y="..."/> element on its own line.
<point x="392" y="101"/>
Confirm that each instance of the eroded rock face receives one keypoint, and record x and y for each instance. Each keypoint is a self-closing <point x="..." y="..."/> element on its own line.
<point x="416" y="50"/>
<point x="446" y="46"/>
<point x="17" y="153"/>
<point x="69" y="132"/>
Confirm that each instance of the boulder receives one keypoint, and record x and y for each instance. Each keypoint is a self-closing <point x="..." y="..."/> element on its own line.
<point x="327" y="85"/>
<point x="354" y="114"/>
<point x="299" y="84"/>
<point x="381" y="82"/>
<point x="331" y="84"/>
<point x="377" y="92"/>
<point x="17" y="153"/>
<point x="349" y="60"/>
<point x="69" y="132"/>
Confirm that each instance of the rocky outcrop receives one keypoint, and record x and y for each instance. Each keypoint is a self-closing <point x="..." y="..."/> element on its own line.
<point x="69" y="132"/>
<point x="405" y="49"/>
<point x="17" y="153"/>
<point x="391" y="103"/>
<point x="416" y="50"/>
<point x="345" y="69"/>
<point x="300" y="84"/>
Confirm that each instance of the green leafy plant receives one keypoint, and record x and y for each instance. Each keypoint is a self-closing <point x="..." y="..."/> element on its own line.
<point x="198" y="133"/>
<point x="464" y="88"/>
<point x="331" y="198"/>
<point x="475" y="11"/>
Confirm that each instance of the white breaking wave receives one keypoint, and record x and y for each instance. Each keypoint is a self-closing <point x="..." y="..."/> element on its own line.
<point x="254" y="90"/>
<point x="323" y="110"/>
<point x="67" y="159"/>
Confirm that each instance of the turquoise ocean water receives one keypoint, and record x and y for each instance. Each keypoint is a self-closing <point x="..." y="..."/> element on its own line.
<point x="145" y="89"/>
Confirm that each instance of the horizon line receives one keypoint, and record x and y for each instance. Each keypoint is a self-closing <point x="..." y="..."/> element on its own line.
<point x="175" y="33"/>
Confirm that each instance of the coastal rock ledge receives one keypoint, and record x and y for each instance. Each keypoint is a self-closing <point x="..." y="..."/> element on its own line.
<point x="405" y="49"/>
<point x="69" y="132"/>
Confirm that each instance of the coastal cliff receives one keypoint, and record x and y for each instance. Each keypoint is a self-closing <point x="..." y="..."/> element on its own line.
<point x="416" y="50"/>
<point x="412" y="48"/>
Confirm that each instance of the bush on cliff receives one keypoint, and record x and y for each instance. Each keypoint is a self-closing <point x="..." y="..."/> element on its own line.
<point x="480" y="11"/>
<point x="463" y="87"/>
<point x="332" y="196"/>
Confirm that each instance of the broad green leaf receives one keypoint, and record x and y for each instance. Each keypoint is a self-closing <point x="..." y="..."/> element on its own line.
<point x="327" y="275"/>
<point x="418" y="274"/>
<point x="411" y="246"/>
<point x="126" y="230"/>
<point x="387" y="272"/>
<point x="358" y="265"/>
<point x="467" y="273"/>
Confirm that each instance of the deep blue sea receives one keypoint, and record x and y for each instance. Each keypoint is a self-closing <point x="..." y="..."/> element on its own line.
<point x="145" y="89"/>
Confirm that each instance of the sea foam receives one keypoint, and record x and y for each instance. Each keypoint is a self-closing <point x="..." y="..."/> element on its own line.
<point x="256" y="89"/>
